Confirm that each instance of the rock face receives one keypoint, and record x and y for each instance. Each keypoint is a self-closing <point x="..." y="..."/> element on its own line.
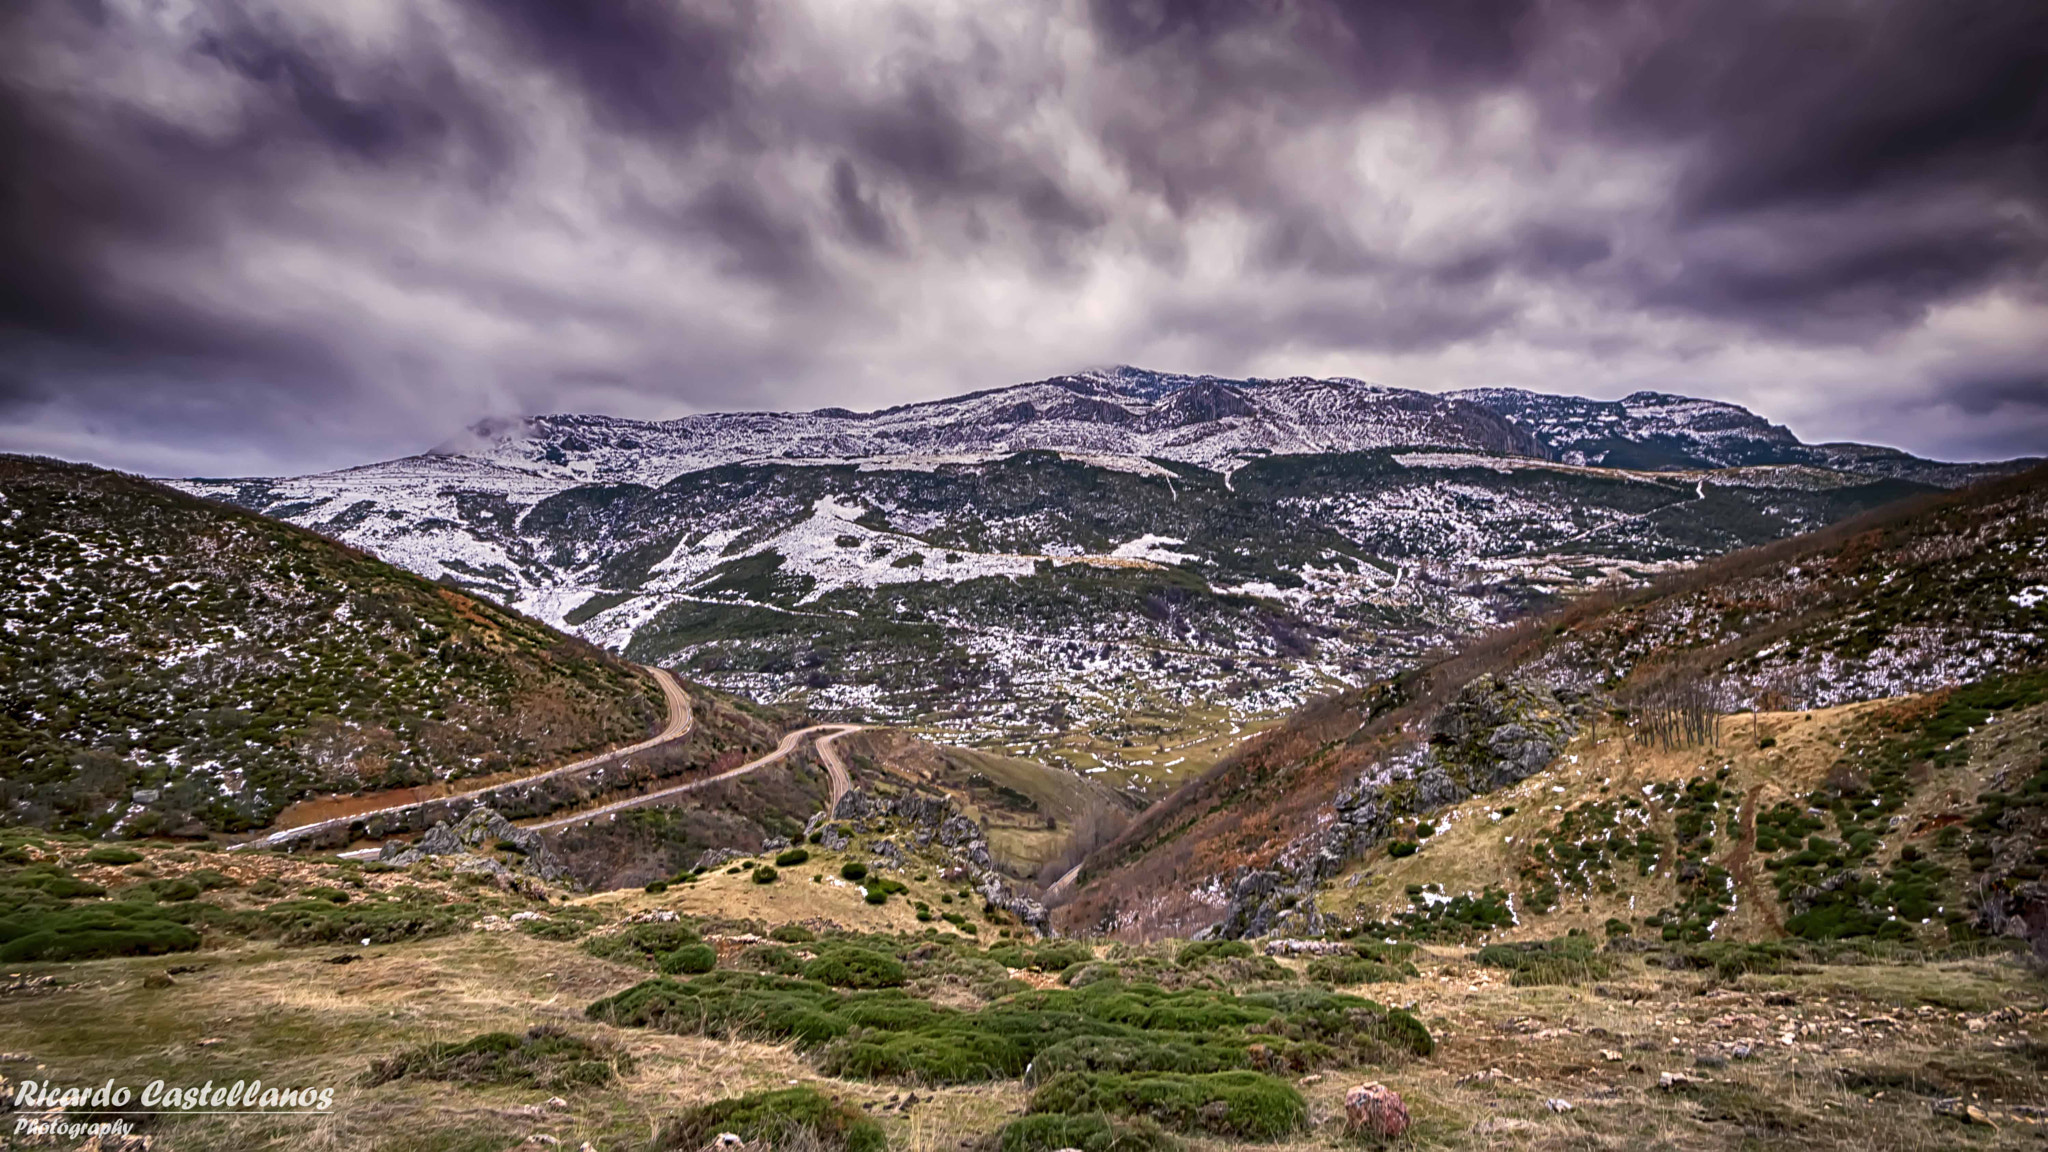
<point x="1492" y="734"/>
<point x="931" y="818"/>
<point x="477" y="832"/>
<point x="1375" y="1110"/>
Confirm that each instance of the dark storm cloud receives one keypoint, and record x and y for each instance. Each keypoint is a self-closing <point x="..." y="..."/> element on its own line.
<point x="270" y="235"/>
<point x="644" y="65"/>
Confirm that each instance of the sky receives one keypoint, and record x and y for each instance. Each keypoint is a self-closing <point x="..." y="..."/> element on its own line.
<point x="267" y="238"/>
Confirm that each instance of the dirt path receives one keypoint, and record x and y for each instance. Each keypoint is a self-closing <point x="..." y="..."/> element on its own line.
<point x="681" y="721"/>
<point x="842" y="781"/>
<point x="782" y="750"/>
<point x="1738" y="862"/>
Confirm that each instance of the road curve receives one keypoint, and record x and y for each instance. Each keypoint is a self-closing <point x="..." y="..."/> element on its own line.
<point x="681" y="722"/>
<point x="788" y="745"/>
<point x="842" y="781"/>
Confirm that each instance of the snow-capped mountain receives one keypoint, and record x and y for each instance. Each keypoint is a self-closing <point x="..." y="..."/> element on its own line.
<point x="1125" y="412"/>
<point x="1080" y="564"/>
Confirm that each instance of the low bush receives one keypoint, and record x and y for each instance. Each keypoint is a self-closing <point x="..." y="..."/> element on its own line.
<point x="1564" y="960"/>
<point x="554" y="928"/>
<point x="792" y="857"/>
<point x="380" y="922"/>
<point x="642" y="944"/>
<point x="1357" y="970"/>
<point x="1105" y="1027"/>
<point x="689" y="960"/>
<point x="1202" y="951"/>
<point x="764" y="875"/>
<point x="1056" y="956"/>
<point x="91" y="932"/>
<point x="843" y="966"/>
<point x="113" y="855"/>
<point x="1088" y="1133"/>
<point x="792" y="1118"/>
<point x="547" y="1058"/>
<point x="770" y="958"/>
<point x="792" y="934"/>
<point x="1239" y="1105"/>
<point x="853" y="870"/>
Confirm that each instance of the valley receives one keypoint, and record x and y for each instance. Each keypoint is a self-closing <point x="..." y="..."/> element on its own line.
<point x="1654" y="785"/>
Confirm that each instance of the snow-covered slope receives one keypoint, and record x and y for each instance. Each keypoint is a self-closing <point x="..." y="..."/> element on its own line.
<point x="1060" y="553"/>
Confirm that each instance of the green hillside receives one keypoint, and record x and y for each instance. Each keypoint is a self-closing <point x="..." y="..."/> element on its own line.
<point x="168" y="664"/>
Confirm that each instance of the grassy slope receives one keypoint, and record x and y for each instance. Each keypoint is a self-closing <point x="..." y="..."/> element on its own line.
<point x="1926" y="591"/>
<point x="1845" y="1056"/>
<point x="234" y="664"/>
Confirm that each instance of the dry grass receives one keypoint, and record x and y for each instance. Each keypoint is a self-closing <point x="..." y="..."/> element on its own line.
<point x="1845" y="1079"/>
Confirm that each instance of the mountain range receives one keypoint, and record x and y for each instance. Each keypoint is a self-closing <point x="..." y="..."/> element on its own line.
<point x="1112" y="570"/>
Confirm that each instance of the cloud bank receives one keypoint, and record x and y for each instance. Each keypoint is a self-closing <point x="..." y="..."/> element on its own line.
<point x="244" y="236"/>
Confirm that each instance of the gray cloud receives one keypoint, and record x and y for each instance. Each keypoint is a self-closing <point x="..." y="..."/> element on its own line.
<point x="272" y="236"/>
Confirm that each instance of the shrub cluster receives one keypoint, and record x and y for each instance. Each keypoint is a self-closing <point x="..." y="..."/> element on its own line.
<point x="787" y="1118"/>
<point x="1105" y="1027"/>
<point x="547" y="1057"/>
<point x="1563" y="960"/>
<point x="1239" y="1105"/>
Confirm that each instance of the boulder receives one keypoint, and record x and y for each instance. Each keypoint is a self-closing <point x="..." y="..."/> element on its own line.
<point x="1375" y="1110"/>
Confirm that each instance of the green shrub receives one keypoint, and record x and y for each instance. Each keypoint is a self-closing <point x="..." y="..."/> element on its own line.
<point x="764" y="875"/>
<point x="1089" y="1133"/>
<point x="689" y="960"/>
<point x="92" y="932"/>
<point x="1204" y="950"/>
<point x="792" y="857"/>
<point x="1357" y="970"/>
<point x="554" y="928"/>
<point x="787" y="1118"/>
<point x="1163" y="1052"/>
<point x="853" y="870"/>
<point x="642" y="943"/>
<point x="113" y="855"/>
<point x="844" y="966"/>
<point x="1104" y="1027"/>
<point x="1088" y="972"/>
<point x="1239" y="1105"/>
<point x="547" y="1058"/>
<point x="729" y="1004"/>
<point x="1564" y="960"/>
<point x="1384" y="953"/>
<point x="770" y="958"/>
<point x="1401" y="849"/>
<point x="656" y="886"/>
<point x="382" y="922"/>
<point x="172" y="891"/>
<point x="792" y="934"/>
<point x="322" y="892"/>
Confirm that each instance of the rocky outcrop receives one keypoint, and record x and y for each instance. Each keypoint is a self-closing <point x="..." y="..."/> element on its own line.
<point x="998" y="894"/>
<point x="482" y="841"/>
<point x="931" y="819"/>
<point x="1492" y="734"/>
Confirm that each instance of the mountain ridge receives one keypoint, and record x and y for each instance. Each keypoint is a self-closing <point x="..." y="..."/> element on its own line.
<point x="1127" y="411"/>
<point x="1037" y="565"/>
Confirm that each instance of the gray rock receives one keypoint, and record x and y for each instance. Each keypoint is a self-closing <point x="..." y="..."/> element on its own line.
<point x="481" y="830"/>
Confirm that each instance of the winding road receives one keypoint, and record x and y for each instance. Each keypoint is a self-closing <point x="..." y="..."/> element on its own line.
<point x="833" y="766"/>
<point x="681" y="722"/>
<point x="842" y="781"/>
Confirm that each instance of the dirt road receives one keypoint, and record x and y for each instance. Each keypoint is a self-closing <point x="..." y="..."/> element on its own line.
<point x="681" y="721"/>
<point x="833" y="766"/>
<point x="842" y="781"/>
